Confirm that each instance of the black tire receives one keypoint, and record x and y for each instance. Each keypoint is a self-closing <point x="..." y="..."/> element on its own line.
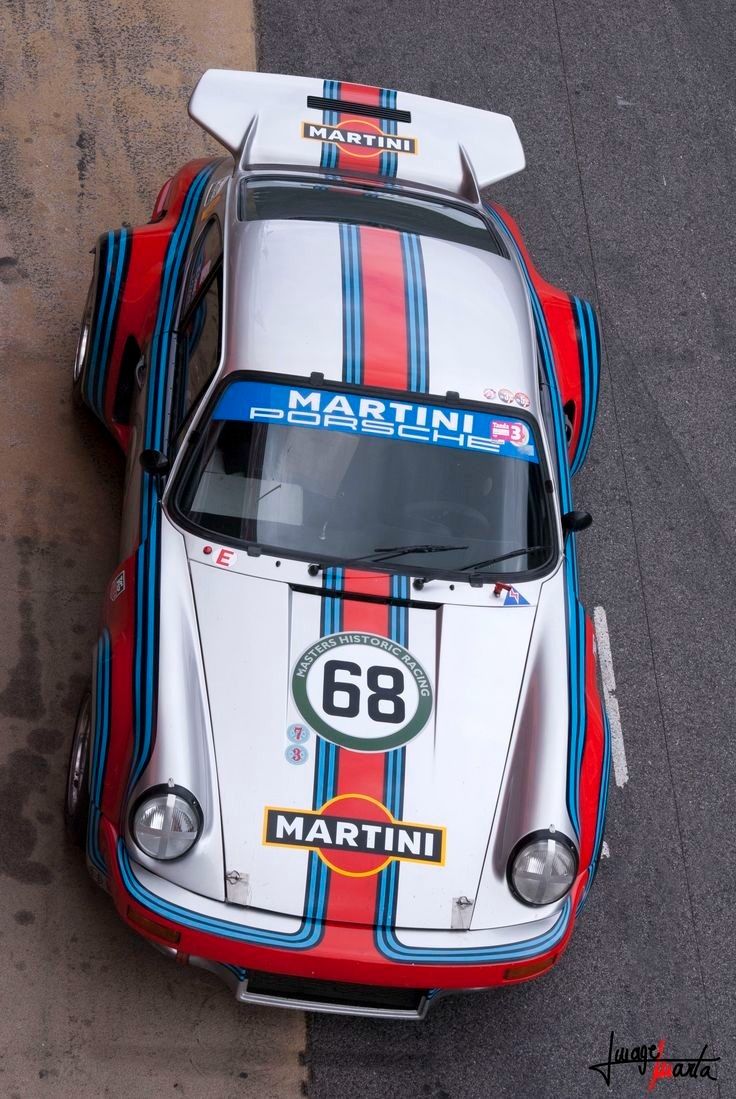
<point x="76" y="798"/>
<point x="81" y="356"/>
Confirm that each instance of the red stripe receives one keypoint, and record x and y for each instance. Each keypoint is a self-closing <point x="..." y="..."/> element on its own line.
<point x="385" y="364"/>
<point x="384" y="309"/>
<point x="361" y="93"/>
<point x="353" y="900"/>
<point x="368" y="97"/>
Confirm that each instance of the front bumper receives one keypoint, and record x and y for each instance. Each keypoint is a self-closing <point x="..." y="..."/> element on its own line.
<point x="342" y="971"/>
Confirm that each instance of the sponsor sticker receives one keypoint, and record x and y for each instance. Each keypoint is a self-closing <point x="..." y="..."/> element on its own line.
<point x="515" y="431"/>
<point x="489" y="394"/>
<point x="362" y="691"/>
<point x="356" y="414"/>
<point x="505" y="395"/>
<point x="225" y="558"/>
<point x="117" y="587"/>
<point x="522" y="400"/>
<point x="514" y="598"/>
<point x="296" y="754"/>
<point x="360" y="138"/>
<point x="298" y="734"/>
<point x="354" y="835"/>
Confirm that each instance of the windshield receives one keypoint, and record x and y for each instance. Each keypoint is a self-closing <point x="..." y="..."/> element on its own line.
<point x="342" y="476"/>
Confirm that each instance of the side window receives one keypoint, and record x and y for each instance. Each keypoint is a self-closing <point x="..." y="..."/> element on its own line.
<point x="198" y="346"/>
<point x="549" y="423"/>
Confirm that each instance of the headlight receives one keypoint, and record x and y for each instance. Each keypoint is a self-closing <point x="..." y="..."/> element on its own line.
<point x="542" y="868"/>
<point x="166" y="822"/>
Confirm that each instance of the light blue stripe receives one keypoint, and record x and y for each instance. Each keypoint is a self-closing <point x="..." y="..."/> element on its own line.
<point x="577" y="732"/>
<point x="147" y="556"/>
<point x="91" y="380"/>
<point x="392" y="948"/>
<point x="102" y="372"/>
<point x="307" y="935"/>
<point x="547" y="361"/>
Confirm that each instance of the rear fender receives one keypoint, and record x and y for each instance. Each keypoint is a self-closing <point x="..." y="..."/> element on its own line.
<point x="576" y="347"/>
<point x="126" y="284"/>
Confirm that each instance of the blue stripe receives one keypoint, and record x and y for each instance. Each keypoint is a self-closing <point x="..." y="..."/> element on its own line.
<point x="241" y="974"/>
<point x="545" y="348"/>
<point x="307" y="936"/>
<point x="121" y="242"/>
<point x="589" y="340"/>
<point x="98" y="749"/>
<point x="575" y="616"/>
<point x="416" y="313"/>
<point x="602" y="806"/>
<point x="352" y="303"/>
<point x="389" y="161"/>
<point x="390" y="946"/>
<point x="330" y="90"/>
<point x="147" y="556"/>
<point x="104" y="304"/>
<point x="315" y="900"/>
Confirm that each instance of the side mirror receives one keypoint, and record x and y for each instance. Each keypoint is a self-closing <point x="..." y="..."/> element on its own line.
<point x="574" y="521"/>
<point x="155" y="462"/>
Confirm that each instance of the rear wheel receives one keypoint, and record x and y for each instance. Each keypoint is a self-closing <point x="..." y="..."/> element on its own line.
<point x="82" y="353"/>
<point x="76" y="804"/>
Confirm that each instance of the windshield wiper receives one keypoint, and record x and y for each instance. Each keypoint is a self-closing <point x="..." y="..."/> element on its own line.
<point x="400" y="551"/>
<point x="501" y="557"/>
<point x="385" y="553"/>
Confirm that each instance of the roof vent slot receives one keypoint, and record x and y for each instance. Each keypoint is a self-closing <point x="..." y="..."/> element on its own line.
<point x="342" y="106"/>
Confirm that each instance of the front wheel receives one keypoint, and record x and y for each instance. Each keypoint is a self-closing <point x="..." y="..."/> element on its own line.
<point x="76" y="804"/>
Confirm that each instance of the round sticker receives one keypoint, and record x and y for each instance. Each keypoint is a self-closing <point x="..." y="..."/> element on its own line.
<point x="506" y="395"/>
<point x="522" y="399"/>
<point x="298" y="734"/>
<point x="362" y="691"/>
<point x="489" y="394"/>
<point x="296" y="754"/>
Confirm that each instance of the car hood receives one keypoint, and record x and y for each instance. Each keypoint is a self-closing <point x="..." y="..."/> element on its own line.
<point x="310" y="794"/>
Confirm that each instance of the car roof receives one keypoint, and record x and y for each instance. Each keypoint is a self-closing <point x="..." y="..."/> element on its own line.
<point x="285" y="300"/>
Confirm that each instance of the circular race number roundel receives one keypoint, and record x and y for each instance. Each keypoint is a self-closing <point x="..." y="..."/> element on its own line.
<point x="362" y="691"/>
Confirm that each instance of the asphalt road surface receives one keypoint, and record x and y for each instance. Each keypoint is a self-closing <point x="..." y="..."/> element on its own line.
<point x="627" y="115"/>
<point x="626" y="112"/>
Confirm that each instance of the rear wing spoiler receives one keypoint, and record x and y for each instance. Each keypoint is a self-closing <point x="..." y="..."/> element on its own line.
<point x="269" y="121"/>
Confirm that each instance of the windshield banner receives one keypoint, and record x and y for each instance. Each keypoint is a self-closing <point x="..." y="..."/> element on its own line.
<point x="355" y="413"/>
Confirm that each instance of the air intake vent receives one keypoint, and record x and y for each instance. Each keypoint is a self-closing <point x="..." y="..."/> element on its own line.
<point x="391" y="114"/>
<point x="334" y="993"/>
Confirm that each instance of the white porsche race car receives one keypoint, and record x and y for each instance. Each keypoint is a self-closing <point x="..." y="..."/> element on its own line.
<point x="344" y="744"/>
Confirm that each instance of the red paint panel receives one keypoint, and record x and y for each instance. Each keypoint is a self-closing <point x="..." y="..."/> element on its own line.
<point x="140" y="292"/>
<point x="385" y="348"/>
<point x="348" y="960"/>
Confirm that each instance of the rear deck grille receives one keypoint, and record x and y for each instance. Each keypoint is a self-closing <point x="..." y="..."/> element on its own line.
<point x="391" y="114"/>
